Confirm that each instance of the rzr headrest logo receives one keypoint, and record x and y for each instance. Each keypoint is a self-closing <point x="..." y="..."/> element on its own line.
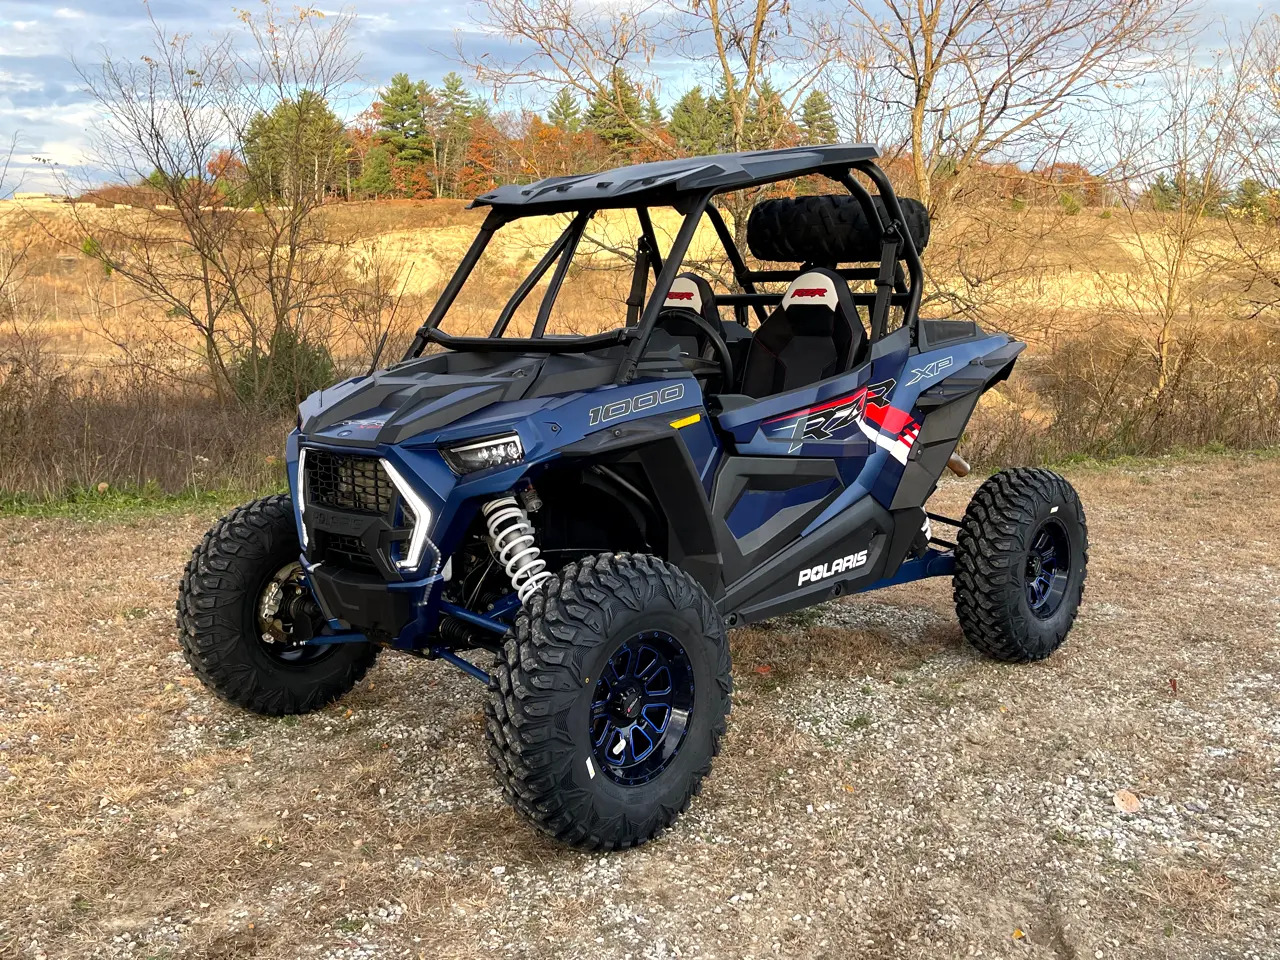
<point x="680" y="295"/>
<point x="807" y="292"/>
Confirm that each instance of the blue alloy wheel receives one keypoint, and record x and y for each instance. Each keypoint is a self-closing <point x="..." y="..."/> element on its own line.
<point x="1048" y="568"/>
<point x="641" y="708"/>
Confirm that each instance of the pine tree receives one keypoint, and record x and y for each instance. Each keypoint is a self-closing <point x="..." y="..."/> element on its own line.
<point x="375" y="173"/>
<point x="613" y="113"/>
<point x="401" y="118"/>
<point x="296" y="150"/>
<point x="564" y="112"/>
<point x="455" y="110"/>
<point x="817" y="120"/>
<point x="767" y="122"/>
<point x="699" y="124"/>
<point x="1162" y="194"/>
<point x="652" y="112"/>
<point x="1252" y="200"/>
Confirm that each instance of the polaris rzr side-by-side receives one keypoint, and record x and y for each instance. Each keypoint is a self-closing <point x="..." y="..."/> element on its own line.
<point x="587" y="514"/>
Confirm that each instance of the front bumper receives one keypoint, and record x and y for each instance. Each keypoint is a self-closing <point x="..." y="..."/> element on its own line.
<point x="399" y="613"/>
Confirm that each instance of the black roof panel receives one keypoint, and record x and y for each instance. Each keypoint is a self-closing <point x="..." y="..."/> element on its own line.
<point x="662" y="182"/>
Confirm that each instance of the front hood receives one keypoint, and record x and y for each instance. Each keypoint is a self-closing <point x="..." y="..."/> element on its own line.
<point x="423" y="396"/>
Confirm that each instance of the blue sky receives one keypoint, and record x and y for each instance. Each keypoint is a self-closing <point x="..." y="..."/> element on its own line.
<point x="43" y="104"/>
<point x="42" y="100"/>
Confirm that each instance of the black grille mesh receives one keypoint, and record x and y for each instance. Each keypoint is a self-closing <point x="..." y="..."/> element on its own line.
<point x="347" y="553"/>
<point x="348" y="483"/>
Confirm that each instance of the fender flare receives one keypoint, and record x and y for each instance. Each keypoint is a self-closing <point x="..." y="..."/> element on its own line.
<point x="948" y="405"/>
<point x="655" y="446"/>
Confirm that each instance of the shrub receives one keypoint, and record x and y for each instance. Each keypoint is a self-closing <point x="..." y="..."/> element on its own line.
<point x="279" y="377"/>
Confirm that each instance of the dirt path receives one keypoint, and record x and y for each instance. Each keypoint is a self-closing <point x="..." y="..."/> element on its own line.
<point x="883" y="792"/>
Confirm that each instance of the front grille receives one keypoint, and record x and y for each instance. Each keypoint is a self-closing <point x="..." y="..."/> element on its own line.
<point x="347" y="553"/>
<point x="348" y="483"/>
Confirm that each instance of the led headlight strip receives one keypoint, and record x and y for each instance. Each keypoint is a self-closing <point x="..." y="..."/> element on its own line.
<point x="302" y="493"/>
<point x="421" y="518"/>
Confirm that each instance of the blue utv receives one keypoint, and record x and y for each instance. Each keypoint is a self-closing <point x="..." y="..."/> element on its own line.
<point x="584" y="516"/>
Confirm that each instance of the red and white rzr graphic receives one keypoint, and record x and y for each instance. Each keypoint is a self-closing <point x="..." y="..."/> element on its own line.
<point x="866" y="411"/>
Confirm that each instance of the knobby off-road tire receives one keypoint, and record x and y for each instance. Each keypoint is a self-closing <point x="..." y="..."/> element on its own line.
<point x="1021" y="560"/>
<point x="544" y="718"/>
<point x="826" y="229"/>
<point x="218" y="618"/>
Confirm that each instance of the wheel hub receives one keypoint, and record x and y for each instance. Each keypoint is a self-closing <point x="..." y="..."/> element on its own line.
<point x="1048" y="568"/>
<point x="287" y="617"/>
<point x="626" y="703"/>
<point x="641" y="707"/>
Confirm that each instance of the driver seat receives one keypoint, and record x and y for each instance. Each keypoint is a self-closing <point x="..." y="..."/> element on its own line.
<point x="815" y="333"/>
<point x="690" y="292"/>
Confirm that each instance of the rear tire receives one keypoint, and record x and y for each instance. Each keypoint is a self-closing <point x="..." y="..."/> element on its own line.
<point x="218" y="618"/>
<point x="1021" y="560"/>
<point x="589" y="742"/>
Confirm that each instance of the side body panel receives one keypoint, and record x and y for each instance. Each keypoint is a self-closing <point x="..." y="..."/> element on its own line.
<point x="795" y="532"/>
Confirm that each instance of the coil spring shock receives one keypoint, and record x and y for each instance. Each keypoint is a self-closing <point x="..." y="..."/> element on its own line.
<point x="511" y="537"/>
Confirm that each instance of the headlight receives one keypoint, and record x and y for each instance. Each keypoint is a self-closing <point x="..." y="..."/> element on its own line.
<point x="480" y="454"/>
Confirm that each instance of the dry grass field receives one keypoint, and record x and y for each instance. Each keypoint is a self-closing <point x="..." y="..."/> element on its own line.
<point x="1035" y="272"/>
<point x="883" y="791"/>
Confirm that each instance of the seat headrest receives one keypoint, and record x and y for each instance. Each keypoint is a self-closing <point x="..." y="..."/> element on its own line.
<point x="688" y="291"/>
<point x="693" y="293"/>
<point x="815" y="288"/>
<point x="816" y="299"/>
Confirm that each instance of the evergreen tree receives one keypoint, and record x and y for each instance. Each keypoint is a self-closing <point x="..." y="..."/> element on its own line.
<point x="699" y="124"/>
<point x="375" y="173"/>
<point x="613" y="113"/>
<point x="817" y="120"/>
<point x="296" y="150"/>
<point x="457" y="103"/>
<point x="652" y="113"/>
<point x="564" y="112"/>
<point x="401" y="118"/>
<point x="1252" y="200"/>
<point x="767" y="122"/>
<point x="455" y="111"/>
<point x="1162" y="194"/>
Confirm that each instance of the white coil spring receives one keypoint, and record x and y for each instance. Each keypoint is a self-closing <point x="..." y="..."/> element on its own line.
<point x="511" y="536"/>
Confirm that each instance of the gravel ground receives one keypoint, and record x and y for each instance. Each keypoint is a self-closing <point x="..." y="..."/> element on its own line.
<point x="883" y="792"/>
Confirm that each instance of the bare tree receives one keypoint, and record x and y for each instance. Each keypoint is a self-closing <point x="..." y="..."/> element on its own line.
<point x="740" y="48"/>
<point x="1255" y="217"/>
<point x="1171" y="223"/>
<point x="227" y="146"/>
<point x="13" y="253"/>
<point x="1002" y="79"/>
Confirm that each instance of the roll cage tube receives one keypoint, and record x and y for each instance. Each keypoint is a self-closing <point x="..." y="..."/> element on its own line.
<point x="492" y="222"/>
<point x="891" y="287"/>
<point x="661" y="286"/>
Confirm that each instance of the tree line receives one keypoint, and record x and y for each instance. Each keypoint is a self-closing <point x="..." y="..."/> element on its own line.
<point x="421" y="141"/>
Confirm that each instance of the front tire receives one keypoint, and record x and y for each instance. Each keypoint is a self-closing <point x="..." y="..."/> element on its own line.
<point x="1021" y="560"/>
<point x="609" y="701"/>
<point x="248" y="559"/>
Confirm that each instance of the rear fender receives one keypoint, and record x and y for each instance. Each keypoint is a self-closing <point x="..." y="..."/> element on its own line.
<point x="945" y="409"/>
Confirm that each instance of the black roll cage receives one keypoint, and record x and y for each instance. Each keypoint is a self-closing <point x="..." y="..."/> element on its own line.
<point x="891" y="286"/>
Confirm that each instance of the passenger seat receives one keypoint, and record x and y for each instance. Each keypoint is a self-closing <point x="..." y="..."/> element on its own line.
<point x="814" y="333"/>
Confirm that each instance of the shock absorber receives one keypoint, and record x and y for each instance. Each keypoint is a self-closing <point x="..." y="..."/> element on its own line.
<point x="511" y="538"/>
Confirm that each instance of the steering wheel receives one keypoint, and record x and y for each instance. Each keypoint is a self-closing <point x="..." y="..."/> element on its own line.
<point x="723" y="363"/>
